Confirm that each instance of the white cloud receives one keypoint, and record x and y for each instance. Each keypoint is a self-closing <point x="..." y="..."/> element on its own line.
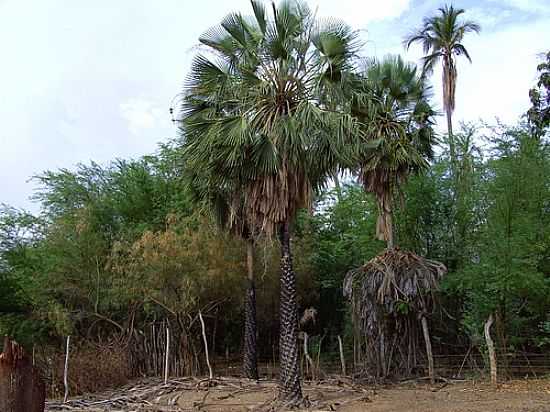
<point x="488" y="18"/>
<point x="358" y="13"/>
<point x="140" y="114"/>
<point x="529" y="5"/>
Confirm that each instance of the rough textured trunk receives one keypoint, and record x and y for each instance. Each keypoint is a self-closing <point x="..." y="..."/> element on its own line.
<point x="250" y="356"/>
<point x="429" y="352"/>
<point x="491" y="349"/>
<point x="21" y="388"/>
<point x="384" y="224"/>
<point x="448" y="83"/>
<point x="290" y="391"/>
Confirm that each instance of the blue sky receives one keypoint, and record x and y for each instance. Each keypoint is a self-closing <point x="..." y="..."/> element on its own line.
<point x="93" y="80"/>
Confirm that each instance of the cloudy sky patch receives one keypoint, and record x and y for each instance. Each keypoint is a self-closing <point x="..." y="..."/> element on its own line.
<point x="83" y="81"/>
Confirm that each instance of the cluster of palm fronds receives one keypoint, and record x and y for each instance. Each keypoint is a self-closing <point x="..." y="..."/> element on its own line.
<point x="389" y="295"/>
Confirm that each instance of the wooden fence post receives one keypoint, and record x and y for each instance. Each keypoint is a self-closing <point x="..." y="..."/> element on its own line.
<point x="21" y="388"/>
<point x="167" y="356"/>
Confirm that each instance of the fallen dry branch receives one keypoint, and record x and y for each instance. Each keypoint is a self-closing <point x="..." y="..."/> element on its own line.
<point x="193" y="394"/>
<point x="137" y="397"/>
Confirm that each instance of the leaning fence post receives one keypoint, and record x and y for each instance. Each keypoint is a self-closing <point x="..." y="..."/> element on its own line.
<point x="210" y="374"/>
<point x="166" y="364"/>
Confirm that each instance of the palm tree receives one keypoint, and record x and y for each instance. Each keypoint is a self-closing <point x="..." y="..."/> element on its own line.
<point x="441" y="38"/>
<point x="392" y="105"/>
<point x="256" y="120"/>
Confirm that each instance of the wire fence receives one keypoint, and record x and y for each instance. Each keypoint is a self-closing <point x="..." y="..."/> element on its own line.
<point x="456" y="366"/>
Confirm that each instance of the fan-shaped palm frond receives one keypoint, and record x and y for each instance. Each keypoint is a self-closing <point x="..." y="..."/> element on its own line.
<point x="396" y="114"/>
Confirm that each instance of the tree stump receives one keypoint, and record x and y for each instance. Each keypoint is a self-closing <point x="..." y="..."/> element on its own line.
<point x="21" y="388"/>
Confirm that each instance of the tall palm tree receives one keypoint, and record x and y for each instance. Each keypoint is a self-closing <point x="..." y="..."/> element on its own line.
<point x="256" y="120"/>
<point x="441" y="38"/>
<point x="392" y="105"/>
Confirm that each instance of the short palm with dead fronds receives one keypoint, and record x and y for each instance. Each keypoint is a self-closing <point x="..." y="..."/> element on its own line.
<point x="391" y="296"/>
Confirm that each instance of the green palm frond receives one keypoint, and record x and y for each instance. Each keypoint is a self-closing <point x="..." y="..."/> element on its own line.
<point x="265" y="114"/>
<point x="441" y="39"/>
<point x="393" y="108"/>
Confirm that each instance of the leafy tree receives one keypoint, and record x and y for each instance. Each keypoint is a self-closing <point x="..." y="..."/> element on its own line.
<point x="504" y="275"/>
<point x="441" y="38"/>
<point x="539" y="113"/>
<point x="254" y="121"/>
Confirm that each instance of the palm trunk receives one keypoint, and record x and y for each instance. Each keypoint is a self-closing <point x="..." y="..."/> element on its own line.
<point x="290" y="391"/>
<point x="384" y="225"/>
<point x="451" y="137"/>
<point x="389" y="222"/>
<point x="448" y="99"/>
<point x="250" y="356"/>
<point x="452" y="152"/>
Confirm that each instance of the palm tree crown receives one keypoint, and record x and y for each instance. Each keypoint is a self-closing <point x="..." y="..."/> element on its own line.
<point x="441" y="38"/>
<point x="398" y="118"/>
<point x="253" y="111"/>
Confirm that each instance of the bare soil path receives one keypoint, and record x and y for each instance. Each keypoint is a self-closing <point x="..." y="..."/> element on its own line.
<point x="234" y="395"/>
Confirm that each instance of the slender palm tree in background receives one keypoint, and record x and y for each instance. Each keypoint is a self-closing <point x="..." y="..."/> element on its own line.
<point x="441" y="38"/>
<point x="256" y="119"/>
<point x="222" y="202"/>
<point x="393" y="108"/>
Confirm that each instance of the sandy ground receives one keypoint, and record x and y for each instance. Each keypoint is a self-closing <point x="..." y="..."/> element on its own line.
<point x="233" y="395"/>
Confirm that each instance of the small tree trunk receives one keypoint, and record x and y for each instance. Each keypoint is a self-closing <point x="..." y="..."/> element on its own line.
<point x="491" y="349"/>
<point x="21" y="388"/>
<point x="290" y="389"/>
<point x="429" y="352"/>
<point x="205" y="340"/>
<point x="342" y="359"/>
<point x="250" y="355"/>
<point x="66" y="370"/>
<point x="309" y="361"/>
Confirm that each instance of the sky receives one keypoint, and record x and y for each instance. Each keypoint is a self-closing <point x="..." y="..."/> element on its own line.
<point x="94" y="80"/>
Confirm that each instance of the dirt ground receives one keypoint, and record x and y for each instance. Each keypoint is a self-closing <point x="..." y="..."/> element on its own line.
<point x="233" y="395"/>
